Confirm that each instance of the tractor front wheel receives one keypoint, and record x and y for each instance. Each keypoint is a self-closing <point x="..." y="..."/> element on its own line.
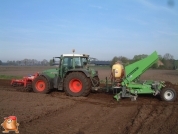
<point x="168" y="94"/>
<point x="77" y="84"/>
<point x="40" y="85"/>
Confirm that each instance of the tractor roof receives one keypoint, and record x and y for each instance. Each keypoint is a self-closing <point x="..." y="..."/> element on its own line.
<point x="75" y="55"/>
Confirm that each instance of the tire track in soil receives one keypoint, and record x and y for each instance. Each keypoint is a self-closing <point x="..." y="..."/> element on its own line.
<point x="61" y="117"/>
<point x="174" y="120"/>
<point x="48" y="114"/>
<point x="150" y="119"/>
<point x="95" y="99"/>
<point x="29" y="127"/>
<point x="137" y="121"/>
<point x="29" y="107"/>
<point x="83" y="118"/>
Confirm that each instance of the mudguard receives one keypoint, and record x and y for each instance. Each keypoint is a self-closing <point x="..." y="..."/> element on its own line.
<point x="79" y="70"/>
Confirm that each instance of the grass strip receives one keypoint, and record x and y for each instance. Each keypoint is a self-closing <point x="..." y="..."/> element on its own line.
<point x="9" y="77"/>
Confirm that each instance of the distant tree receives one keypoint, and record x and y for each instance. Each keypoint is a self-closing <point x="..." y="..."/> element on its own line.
<point x="113" y="61"/>
<point x="155" y="65"/>
<point x="124" y="60"/>
<point x="51" y="62"/>
<point x="9" y="62"/>
<point x="175" y="64"/>
<point x="44" y="62"/>
<point x="168" y="56"/>
<point x="160" y="57"/>
<point x="0" y="62"/>
<point x="168" y="61"/>
<point x="139" y="57"/>
<point x="25" y="61"/>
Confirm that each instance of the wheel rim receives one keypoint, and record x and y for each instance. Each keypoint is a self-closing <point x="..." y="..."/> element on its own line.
<point x="168" y="95"/>
<point x="40" y="85"/>
<point x="75" y="85"/>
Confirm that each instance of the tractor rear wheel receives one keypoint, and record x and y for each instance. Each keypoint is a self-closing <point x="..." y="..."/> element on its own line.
<point x="77" y="84"/>
<point x="40" y="85"/>
<point x="168" y="94"/>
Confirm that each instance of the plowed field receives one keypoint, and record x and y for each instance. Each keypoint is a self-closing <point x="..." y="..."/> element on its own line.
<point x="99" y="113"/>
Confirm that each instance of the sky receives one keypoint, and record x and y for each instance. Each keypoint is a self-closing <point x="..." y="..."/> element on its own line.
<point x="42" y="29"/>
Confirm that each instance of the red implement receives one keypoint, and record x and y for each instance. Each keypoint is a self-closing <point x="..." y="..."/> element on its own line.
<point x="24" y="81"/>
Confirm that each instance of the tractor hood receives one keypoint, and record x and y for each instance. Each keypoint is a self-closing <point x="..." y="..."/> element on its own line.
<point x="50" y="72"/>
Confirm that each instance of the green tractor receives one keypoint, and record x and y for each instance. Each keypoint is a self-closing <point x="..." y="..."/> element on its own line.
<point x="73" y="76"/>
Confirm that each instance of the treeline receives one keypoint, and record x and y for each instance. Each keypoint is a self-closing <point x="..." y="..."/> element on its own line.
<point x="26" y="62"/>
<point x="166" y="61"/>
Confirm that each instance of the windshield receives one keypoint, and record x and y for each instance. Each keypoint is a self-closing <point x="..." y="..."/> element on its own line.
<point x="78" y="61"/>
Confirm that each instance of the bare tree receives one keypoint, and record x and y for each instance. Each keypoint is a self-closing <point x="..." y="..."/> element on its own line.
<point x="168" y="56"/>
<point x="168" y="61"/>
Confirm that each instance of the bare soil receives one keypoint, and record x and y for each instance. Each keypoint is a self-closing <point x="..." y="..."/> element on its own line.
<point x="98" y="113"/>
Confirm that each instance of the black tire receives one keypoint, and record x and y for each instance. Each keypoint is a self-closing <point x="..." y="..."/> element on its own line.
<point x="77" y="84"/>
<point x="168" y="94"/>
<point x="40" y="85"/>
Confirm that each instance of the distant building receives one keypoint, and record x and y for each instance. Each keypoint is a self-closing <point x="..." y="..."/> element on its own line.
<point x="100" y="63"/>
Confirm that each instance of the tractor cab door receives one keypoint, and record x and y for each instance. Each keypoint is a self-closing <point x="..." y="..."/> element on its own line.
<point x="67" y="63"/>
<point x="64" y="66"/>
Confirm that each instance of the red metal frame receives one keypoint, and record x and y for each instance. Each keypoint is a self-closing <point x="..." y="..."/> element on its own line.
<point x="24" y="81"/>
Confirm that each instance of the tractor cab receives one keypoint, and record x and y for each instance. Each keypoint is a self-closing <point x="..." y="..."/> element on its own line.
<point x="73" y="61"/>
